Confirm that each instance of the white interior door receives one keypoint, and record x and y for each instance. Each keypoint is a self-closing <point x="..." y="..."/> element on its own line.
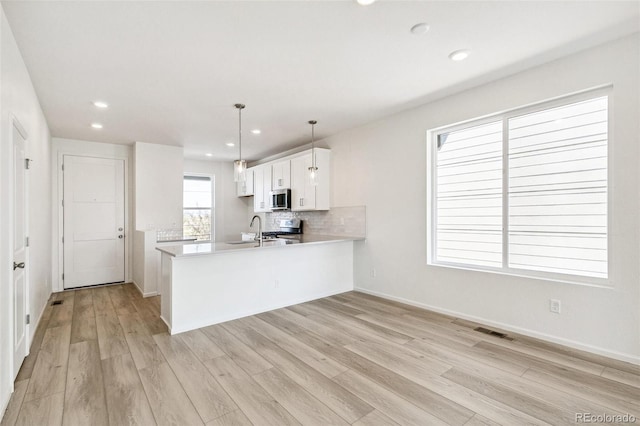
<point x="20" y="254"/>
<point x="93" y="221"/>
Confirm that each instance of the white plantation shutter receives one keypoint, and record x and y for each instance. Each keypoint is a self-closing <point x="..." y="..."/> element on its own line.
<point x="469" y="196"/>
<point x="555" y="194"/>
<point x="558" y="189"/>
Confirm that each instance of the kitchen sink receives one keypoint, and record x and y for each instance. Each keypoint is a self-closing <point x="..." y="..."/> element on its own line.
<point x="266" y="242"/>
<point x="277" y="242"/>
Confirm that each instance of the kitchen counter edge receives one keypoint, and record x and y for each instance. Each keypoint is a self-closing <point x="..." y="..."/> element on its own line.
<point x="203" y="249"/>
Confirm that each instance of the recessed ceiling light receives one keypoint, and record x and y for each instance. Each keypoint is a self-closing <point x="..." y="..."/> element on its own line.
<point x="96" y="125"/>
<point x="256" y="131"/>
<point x="100" y="104"/>
<point x="419" y="29"/>
<point x="459" y="55"/>
<point x="208" y="154"/>
<point x="365" y="2"/>
<point x="230" y="144"/>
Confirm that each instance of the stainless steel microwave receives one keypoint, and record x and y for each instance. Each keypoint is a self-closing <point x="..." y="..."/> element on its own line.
<point x="280" y="199"/>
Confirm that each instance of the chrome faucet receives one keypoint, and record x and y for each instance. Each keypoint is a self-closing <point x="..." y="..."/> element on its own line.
<point x="259" y="227"/>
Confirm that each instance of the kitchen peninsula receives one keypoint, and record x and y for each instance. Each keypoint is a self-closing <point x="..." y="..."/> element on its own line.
<point x="208" y="283"/>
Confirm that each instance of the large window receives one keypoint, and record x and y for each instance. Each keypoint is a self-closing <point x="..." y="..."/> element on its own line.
<point x="197" y="218"/>
<point x="524" y="192"/>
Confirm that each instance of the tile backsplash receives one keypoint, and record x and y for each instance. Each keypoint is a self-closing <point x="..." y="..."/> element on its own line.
<point x="342" y="221"/>
<point x="169" y="234"/>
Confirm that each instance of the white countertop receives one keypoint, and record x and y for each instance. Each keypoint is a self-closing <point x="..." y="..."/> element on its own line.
<point x="199" y="249"/>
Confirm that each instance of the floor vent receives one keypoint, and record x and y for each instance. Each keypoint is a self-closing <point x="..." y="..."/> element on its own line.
<point x="493" y="333"/>
<point x="56" y="302"/>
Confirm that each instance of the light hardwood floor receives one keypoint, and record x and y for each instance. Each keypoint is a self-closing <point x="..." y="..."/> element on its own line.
<point x="103" y="357"/>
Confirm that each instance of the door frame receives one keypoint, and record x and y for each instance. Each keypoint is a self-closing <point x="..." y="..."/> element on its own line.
<point x="16" y="126"/>
<point x="58" y="284"/>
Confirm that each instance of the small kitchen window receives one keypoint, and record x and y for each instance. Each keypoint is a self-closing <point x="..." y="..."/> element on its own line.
<point x="198" y="213"/>
<point x="524" y="192"/>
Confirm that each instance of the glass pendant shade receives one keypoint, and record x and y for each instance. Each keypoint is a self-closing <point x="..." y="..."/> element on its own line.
<point x="239" y="170"/>
<point x="313" y="175"/>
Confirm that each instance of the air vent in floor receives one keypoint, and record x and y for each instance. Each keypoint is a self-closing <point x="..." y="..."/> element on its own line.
<point x="493" y="333"/>
<point x="56" y="302"/>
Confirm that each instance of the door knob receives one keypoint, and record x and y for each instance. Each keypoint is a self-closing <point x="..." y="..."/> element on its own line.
<point x="18" y="265"/>
<point x="120" y="236"/>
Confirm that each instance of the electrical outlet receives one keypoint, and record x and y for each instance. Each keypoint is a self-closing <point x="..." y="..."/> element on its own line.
<point x="554" y="306"/>
<point x="342" y="221"/>
<point x="276" y="284"/>
<point x="373" y="273"/>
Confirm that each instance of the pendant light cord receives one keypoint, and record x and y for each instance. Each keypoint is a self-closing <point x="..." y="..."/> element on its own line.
<point x="240" y="108"/>
<point x="240" y="132"/>
<point x="313" y="151"/>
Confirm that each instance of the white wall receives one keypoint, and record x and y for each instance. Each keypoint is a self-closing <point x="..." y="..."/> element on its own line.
<point x="18" y="98"/>
<point x="158" y="186"/>
<point x="387" y="160"/>
<point x="230" y="210"/>
<point x="61" y="147"/>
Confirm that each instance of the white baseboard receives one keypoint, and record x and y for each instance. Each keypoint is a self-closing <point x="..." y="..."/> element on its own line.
<point x="149" y="294"/>
<point x="524" y="331"/>
<point x="137" y="287"/>
<point x="35" y="322"/>
<point x="34" y="325"/>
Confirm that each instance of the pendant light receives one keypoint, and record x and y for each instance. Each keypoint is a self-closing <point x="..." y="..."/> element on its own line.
<point x="240" y="165"/>
<point x="313" y="170"/>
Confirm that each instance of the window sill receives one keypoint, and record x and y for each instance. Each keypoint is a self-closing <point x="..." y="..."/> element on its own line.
<point x="605" y="284"/>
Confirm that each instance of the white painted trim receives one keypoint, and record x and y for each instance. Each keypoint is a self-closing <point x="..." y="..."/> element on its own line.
<point x="524" y="331"/>
<point x="15" y="124"/>
<point x="137" y="287"/>
<point x="212" y="177"/>
<point x="57" y="283"/>
<point x="37" y="323"/>
<point x="143" y="294"/>
<point x="287" y="155"/>
<point x="18" y="126"/>
<point x="504" y="116"/>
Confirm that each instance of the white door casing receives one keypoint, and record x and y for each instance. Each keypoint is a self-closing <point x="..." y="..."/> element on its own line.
<point x="20" y="248"/>
<point x="93" y="221"/>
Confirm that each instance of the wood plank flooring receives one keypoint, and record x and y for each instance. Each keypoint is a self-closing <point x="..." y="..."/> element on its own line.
<point x="103" y="357"/>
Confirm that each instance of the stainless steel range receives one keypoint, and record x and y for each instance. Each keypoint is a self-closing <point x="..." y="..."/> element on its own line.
<point x="289" y="228"/>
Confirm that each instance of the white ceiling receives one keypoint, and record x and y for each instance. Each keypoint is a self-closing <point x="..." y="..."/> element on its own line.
<point x="171" y="71"/>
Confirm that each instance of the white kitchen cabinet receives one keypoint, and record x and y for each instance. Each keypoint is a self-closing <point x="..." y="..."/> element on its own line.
<point x="245" y="189"/>
<point x="261" y="188"/>
<point x="304" y="195"/>
<point x="281" y="175"/>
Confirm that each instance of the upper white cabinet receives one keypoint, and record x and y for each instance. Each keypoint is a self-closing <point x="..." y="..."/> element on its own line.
<point x="290" y="173"/>
<point x="245" y="189"/>
<point x="281" y="175"/>
<point x="261" y="188"/>
<point x="306" y="196"/>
